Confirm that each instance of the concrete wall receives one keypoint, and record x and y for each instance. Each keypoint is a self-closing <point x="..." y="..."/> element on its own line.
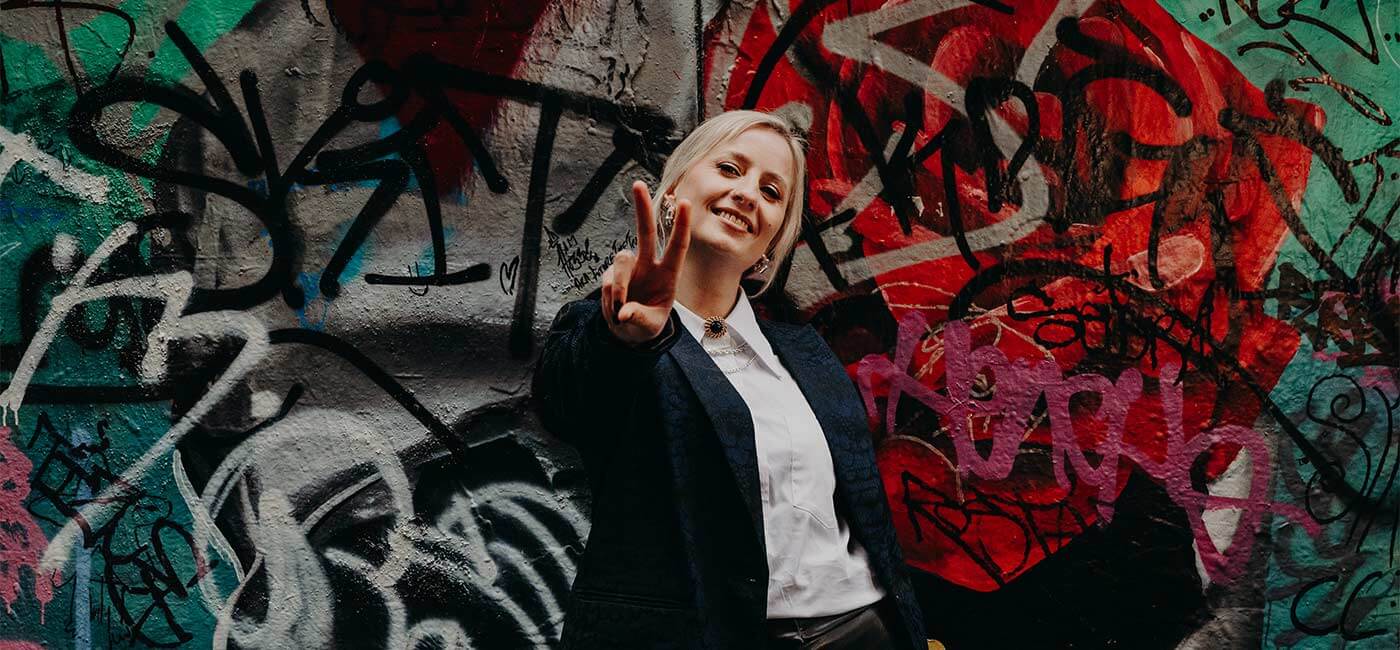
<point x="1118" y="281"/>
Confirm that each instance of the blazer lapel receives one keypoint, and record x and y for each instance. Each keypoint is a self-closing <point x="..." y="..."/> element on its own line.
<point x="730" y="417"/>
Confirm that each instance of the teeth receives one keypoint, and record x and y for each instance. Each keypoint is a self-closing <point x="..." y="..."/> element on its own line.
<point x="733" y="219"/>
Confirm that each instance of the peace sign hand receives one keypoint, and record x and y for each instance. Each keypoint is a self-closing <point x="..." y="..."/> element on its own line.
<point x="638" y="289"/>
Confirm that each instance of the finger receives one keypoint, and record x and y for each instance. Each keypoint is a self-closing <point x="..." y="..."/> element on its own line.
<point x="622" y="265"/>
<point x="606" y="300"/>
<point x="636" y="315"/>
<point x="646" y="220"/>
<point x="680" y="239"/>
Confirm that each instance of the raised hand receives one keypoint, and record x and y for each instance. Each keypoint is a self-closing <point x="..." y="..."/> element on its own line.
<point x="638" y="289"/>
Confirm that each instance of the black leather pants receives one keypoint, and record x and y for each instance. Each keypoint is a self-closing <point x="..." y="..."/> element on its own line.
<point x="860" y="629"/>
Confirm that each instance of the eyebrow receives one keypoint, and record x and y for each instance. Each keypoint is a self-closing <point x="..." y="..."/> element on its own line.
<point x="748" y="162"/>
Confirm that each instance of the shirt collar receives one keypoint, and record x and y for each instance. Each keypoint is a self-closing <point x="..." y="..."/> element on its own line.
<point x="742" y="325"/>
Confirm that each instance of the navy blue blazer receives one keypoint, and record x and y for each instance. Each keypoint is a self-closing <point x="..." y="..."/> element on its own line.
<point x="675" y="557"/>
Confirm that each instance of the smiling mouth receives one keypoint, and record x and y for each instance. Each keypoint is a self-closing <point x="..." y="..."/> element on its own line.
<point x="732" y="218"/>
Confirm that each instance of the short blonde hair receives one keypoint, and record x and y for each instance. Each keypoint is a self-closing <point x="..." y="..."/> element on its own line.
<point x="719" y="130"/>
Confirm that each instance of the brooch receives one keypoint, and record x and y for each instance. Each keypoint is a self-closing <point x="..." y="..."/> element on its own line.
<point x="715" y="327"/>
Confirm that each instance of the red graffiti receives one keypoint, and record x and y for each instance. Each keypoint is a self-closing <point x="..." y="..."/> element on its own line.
<point x="931" y="490"/>
<point x="21" y="541"/>
<point x="1092" y="193"/>
<point x="485" y="36"/>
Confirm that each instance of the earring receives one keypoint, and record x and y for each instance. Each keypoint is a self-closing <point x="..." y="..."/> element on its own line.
<point x="760" y="266"/>
<point x="668" y="216"/>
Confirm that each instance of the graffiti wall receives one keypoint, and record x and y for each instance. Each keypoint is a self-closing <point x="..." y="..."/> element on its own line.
<point x="1118" y="281"/>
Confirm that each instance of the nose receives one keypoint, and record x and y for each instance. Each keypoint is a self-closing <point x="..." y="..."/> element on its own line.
<point x="743" y="196"/>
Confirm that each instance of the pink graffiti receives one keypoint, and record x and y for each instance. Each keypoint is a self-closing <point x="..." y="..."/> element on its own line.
<point x="21" y="541"/>
<point x="1021" y="383"/>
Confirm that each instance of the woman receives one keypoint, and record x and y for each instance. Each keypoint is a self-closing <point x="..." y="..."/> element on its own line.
<point x="736" y="502"/>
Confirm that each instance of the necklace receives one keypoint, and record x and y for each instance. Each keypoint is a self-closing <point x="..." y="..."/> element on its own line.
<point x="716" y="352"/>
<point x="719" y="355"/>
<point x="730" y="371"/>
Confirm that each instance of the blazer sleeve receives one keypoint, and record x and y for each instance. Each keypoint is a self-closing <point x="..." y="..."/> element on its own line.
<point x="586" y="377"/>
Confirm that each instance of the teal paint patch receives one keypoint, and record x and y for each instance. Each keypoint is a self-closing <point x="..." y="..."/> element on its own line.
<point x="102" y="44"/>
<point x="148" y="580"/>
<point x="204" y="23"/>
<point x="145" y="556"/>
<point x="1345" y="67"/>
<point x="27" y="67"/>
<point x="36" y="209"/>
<point x="1341" y="588"/>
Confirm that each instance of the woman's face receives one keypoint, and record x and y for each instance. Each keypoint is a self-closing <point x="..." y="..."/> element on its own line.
<point x="739" y="193"/>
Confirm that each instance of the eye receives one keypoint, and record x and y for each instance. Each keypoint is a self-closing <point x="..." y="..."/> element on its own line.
<point x="728" y="168"/>
<point x="772" y="192"/>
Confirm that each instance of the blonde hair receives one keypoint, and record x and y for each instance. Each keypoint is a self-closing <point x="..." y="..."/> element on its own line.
<point x="719" y="130"/>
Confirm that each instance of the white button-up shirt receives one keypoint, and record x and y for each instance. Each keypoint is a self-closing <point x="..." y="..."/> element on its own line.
<point x="815" y="567"/>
